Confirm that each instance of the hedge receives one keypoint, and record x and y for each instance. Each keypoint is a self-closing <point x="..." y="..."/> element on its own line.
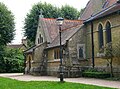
<point x="96" y="74"/>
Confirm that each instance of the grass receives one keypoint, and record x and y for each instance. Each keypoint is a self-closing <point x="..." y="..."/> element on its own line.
<point x="6" y="83"/>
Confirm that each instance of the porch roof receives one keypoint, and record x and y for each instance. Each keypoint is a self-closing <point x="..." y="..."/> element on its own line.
<point x="65" y="36"/>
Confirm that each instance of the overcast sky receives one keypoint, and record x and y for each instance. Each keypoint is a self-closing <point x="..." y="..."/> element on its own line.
<point x="21" y="7"/>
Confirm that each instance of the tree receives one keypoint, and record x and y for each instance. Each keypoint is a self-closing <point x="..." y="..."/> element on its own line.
<point x="109" y="55"/>
<point x="6" y="31"/>
<point x="6" y="25"/>
<point x="2" y="65"/>
<point x="12" y="60"/>
<point x="69" y="12"/>
<point x="116" y="47"/>
<point x="31" y="21"/>
<point x="49" y="11"/>
<point x="111" y="52"/>
<point x="106" y="52"/>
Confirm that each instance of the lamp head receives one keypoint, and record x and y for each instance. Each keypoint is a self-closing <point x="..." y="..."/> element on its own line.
<point x="60" y="21"/>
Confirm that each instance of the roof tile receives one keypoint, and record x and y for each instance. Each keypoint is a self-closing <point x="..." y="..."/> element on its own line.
<point x="95" y="6"/>
<point x="113" y="8"/>
<point x="51" y="29"/>
<point x="65" y="35"/>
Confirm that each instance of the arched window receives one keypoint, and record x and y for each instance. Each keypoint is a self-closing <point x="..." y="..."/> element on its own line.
<point x="81" y="52"/>
<point x="38" y="41"/>
<point x="100" y="36"/>
<point x="41" y="38"/>
<point x="108" y="32"/>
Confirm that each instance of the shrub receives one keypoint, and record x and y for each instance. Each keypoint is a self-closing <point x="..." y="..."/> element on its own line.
<point x="12" y="61"/>
<point x="96" y="74"/>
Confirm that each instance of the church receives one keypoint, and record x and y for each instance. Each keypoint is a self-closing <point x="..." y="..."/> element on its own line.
<point x="81" y="42"/>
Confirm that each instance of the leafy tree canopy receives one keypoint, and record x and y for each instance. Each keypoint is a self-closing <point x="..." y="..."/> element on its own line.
<point x="69" y="12"/>
<point x="6" y="25"/>
<point x="49" y="11"/>
<point x="31" y="21"/>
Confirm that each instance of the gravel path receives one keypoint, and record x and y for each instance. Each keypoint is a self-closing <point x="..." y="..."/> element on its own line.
<point x="91" y="81"/>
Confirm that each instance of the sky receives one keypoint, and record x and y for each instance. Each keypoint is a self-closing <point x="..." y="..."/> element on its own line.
<point x="20" y="8"/>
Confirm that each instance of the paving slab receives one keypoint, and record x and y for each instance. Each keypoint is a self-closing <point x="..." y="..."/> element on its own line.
<point x="91" y="81"/>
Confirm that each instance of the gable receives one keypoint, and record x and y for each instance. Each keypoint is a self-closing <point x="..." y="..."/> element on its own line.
<point x="51" y="30"/>
<point x="105" y="12"/>
<point x="40" y="34"/>
<point x="92" y="7"/>
<point x="95" y="6"/>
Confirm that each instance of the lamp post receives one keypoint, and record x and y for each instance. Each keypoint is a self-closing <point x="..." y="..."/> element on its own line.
<point x="60" y="22"/>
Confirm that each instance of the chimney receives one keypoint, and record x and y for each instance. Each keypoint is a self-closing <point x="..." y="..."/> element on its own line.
<point x="24" y="41"/>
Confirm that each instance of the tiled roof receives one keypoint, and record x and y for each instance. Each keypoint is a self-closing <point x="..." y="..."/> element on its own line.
<point x="65" y="35"/>
<point x="30" y="50"/>
<point x="51" y="29"/>
<point x="115" y="7"/>
<point x="88" y="11"/>
<point x="95" y="6"/>
<point x="108" y="3"/>
<point x="111" y="2"/>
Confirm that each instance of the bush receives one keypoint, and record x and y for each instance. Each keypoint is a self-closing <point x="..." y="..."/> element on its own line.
<point x="12" y="61"/>
<point x="96" y="74"/>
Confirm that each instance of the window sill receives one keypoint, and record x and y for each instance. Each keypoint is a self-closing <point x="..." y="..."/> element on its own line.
<point x="55" y="60"/>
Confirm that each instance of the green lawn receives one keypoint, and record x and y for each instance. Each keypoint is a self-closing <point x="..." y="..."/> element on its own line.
<point x="6" y="83"/>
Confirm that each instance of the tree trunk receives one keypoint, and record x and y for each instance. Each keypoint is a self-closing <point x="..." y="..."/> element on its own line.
<point x="111" y="67"/>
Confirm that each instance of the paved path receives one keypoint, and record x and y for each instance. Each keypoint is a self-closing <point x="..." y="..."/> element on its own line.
<point x="91" y="81"/>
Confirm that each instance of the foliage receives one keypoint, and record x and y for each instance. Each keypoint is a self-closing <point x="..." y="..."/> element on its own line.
<point x="96" y="74"/>
<point x="108" y="55"/>
<point x="12" y="60"/>
<point x="6" y="83"/>
<point x="116" y="49"/>
<point x="6" y="25"/>
<point x="108" y="51"/>
<point x="31" y="21"/>
<point x="111" y="51"/>
<point x="69" y="12"/>
<point x="2" y="69"/>
<point x="48" y="11"/>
